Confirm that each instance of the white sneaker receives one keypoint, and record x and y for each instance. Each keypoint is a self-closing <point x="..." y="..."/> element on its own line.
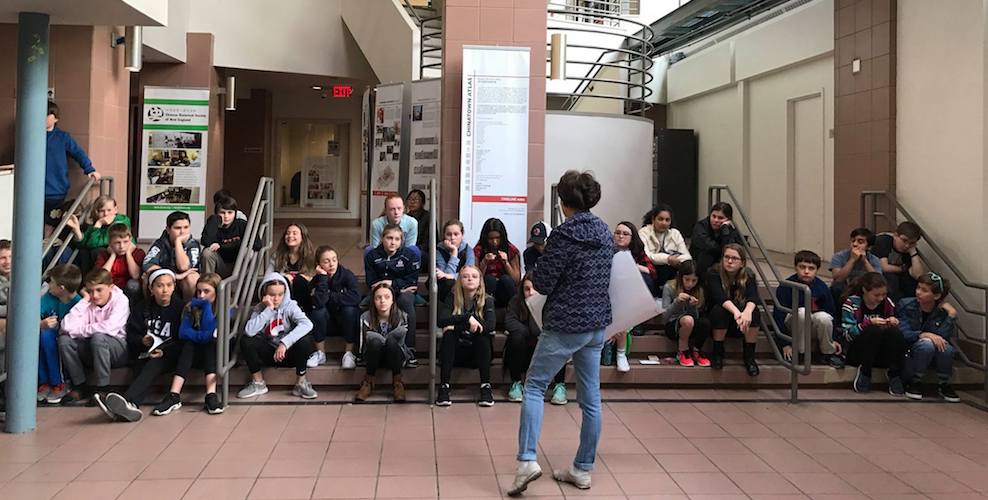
<point x="349" y="361"/>
<point x="622" y="363"/>
<point x="571" y="475"/>
<point x="253" y="389"/>
<point x="314" y="359"/>
<point x="526" y="473"/>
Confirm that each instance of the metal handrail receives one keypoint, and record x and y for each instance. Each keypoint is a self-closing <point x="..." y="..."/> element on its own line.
<point x="82" y="205"/>
<point x="556" y="214"/>
<point x="799" y="337"/>
<point x="433" y="290"/>
<point x="897" y="208"/>
<point x="424" y="50"/>
<point x="233" y="299"/>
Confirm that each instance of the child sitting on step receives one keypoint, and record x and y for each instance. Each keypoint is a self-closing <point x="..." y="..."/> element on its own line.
<point x="382" y="339"/>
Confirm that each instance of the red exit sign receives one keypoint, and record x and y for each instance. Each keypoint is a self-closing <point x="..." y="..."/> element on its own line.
<point x="341" y="91"/>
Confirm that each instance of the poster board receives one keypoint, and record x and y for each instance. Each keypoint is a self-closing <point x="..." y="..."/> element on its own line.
<point x="386" y="153"/>
<point x="494" y="139"/>
<point x="425" y="140"/>
<point x="173" y="157"/>
<point x="320" y="179"/>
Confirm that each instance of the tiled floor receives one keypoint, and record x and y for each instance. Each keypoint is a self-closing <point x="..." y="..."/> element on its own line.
<point x="715" y="450"/>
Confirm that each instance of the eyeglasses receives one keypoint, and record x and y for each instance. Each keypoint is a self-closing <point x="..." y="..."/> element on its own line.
<point x="731" y="258"/>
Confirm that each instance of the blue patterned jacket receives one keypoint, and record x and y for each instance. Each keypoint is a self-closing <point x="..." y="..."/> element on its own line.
<point x="575" y="274"/>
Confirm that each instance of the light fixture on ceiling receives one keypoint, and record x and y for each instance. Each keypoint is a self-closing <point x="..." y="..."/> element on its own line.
<point x="317" y="87"/>
<point x="133" y="47"/>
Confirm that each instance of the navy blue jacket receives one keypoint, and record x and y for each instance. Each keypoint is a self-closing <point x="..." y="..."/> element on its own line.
<point x="819" y="293"/>
<point x="338" y="291"/>
<point x="61" y="145"/>
<point x="402" y="268"/>
<point x="911" y="321"/>
<point x="574" y="274"/>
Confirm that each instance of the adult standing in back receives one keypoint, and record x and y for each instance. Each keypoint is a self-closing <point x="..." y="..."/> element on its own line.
<point x="574" y="274"/>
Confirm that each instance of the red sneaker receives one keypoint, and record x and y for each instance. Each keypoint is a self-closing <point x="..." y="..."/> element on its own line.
<point x="43" y="391"/>
<point x="700" y="359"/>
<point x="684" y="359"/>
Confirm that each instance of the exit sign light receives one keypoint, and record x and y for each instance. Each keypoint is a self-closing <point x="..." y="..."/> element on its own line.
<point x="342" y="91"/>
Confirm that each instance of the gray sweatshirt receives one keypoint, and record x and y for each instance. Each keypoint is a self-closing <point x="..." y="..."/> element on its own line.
<point x="284" y="325"/>
<point x="674" y="308"/>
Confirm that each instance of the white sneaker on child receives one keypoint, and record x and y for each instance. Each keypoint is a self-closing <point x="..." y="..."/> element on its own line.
<point x="574" y="476"/>
<point x="527" y="472"/>
<point x="622" y="363"/>
<point x="315" y="359"/>
<point x="349" y="361"/>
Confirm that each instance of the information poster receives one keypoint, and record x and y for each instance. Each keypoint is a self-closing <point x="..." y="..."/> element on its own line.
<point x="173" y="156"/>
<point x="386" y="154"/>
<point x="425" y="125"/>
<point x="320" y="182"/>
<point x="494" y="139"/>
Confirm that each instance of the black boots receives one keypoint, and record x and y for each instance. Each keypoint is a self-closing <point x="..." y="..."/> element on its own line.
<point x="749" y="359"/>
<point x="717" y="355"/>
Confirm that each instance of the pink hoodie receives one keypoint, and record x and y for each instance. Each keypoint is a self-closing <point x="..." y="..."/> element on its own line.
<point x="87" y="319"/>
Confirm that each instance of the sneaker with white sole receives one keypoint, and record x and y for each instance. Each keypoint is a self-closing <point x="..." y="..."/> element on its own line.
<point x="56" y="394"/>
<point x="527" y="472"/>
<point x="559" y="394"/>
<point x="349" y="361"/>
<point x="622" y="363"/>
<point x="516" y="393"/>
<point x="213" y="405"/>
<point x="168" y="404"/>
<point x="486" y="396"/>
<point x="578" y="478"/>
<point x="101" y="404"/>
<point x="304" y="390"/>
<point x="315" y="359"/>
<point x="253" y="389"/>
<point x="122" y="408"/>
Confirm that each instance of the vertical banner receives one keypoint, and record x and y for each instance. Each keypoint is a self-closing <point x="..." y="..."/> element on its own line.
<point x="494" y="139"/>
<point x="425" y="140"/>
<point x="366" y="138"/>
<point x="173" y="156"/>
<point x="386" y="154"/>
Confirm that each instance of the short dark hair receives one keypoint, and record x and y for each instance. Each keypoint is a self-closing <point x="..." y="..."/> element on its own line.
<point x="175" y="217"/>
<point x="806" y="256"/>
<point x="5" y="245"/>
<point x="937" y="284"/>
<point x="225" y="203"/>
<point x="864" y="232"/>
<point x="723" y="207"/>
<point x="910" y="230"/>
<point x="220" y="194"/>
<point x="579" y="190"/>
<point x="53" y="108"/>
<point x="67" y="275"/>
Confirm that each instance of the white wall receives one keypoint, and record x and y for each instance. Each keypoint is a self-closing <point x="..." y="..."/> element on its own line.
<point x="735" y="94"/>
<point x="589" y="104"/>
<point x="940" y="125"/>
<point x="294" y="36"/>
<point x="388" y="38"/>
<point x="169" y="40"/>
<point x="618" y="149"/>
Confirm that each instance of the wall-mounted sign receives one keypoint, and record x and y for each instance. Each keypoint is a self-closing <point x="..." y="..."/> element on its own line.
<point x="342" y="91"/>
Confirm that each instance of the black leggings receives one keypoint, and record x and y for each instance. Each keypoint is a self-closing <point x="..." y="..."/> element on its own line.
<point x="196" y="355"/>
<point x="877" y="346"/>
<point x="302" y="292"/>
<point x="377" y="349"/>
<point x="258" y="353"/>
<point x="150" y="370"/>
<point x="476" y="354"/>
<point x="518" y="353"/>
<point x="502" y="288"/>
<point x="335" y="321"/>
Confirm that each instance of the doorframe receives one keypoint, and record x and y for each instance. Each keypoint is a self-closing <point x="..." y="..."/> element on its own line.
<point x="273" y="171"/>
<point x="791" y="161"/>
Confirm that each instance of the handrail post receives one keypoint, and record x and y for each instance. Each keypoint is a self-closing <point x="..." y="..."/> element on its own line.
<point x="433" y="291"/>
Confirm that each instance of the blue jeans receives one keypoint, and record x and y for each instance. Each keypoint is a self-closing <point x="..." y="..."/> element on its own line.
<point x="552" y="352"/>
<point x="49" y="370"/>
<point x="923" y="354"/>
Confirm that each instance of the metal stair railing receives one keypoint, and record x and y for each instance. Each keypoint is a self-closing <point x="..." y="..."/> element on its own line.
<point x="430" y="29"/>
<point x="82" y="207"/>
<point x="233" y="299"/>
<point x="799" y="337"/>
<point x="869" y="219"/>
<point x="434" y="333"/>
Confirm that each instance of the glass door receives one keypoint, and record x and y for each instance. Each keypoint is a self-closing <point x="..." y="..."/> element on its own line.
<point x="313" y="165"/>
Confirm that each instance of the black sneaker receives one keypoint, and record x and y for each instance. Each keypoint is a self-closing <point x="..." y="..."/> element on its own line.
<point x="914" y="390"/>
<point x="168" y="404"/>
<point x="486" y="396"/>
<point x="834" y="361"/>
<point x="442" y="396"/>
<point x="947" y="393"/>
<point x="213" y="406"/>
<point x="412" y="362"/>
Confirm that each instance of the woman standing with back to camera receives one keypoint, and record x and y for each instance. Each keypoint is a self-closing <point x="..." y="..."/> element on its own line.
<point x="574" y="274"/>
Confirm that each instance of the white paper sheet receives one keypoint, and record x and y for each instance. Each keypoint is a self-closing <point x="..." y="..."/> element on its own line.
<point x="631" y="302"/>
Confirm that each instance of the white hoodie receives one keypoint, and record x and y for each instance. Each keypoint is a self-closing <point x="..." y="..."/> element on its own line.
<point x="284" y="325"/>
